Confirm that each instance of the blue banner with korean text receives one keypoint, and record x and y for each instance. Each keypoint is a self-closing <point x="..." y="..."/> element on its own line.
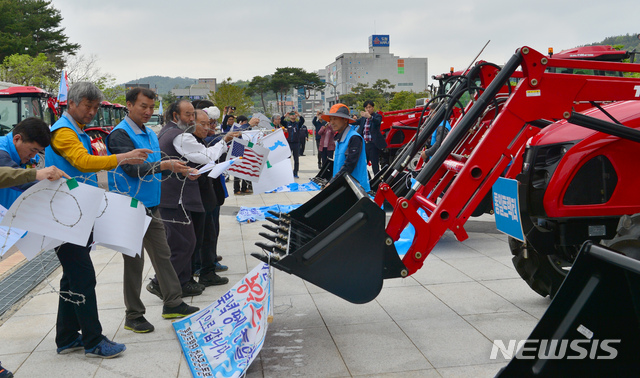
<point x="223" y="339"/>
<point x="506" y="208"/>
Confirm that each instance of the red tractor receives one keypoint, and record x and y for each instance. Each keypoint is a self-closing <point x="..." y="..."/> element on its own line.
<point x="574" y="185"/>
<point x="20" y="102"/>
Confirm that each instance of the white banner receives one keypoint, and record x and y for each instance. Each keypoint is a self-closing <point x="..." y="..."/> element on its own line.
<point x="223" y="339"/>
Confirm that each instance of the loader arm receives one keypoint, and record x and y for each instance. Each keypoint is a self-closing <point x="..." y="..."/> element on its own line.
<point x="339" y="239"/>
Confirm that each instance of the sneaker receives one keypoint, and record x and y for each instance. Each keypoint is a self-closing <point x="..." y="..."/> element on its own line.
<point x="154" y="289"/>
<point x="4" y="373"/>
<point x="221" y="268"/>
<point x="138" y="325"/>
<point x="212" y="279"/>
<point x="237" y="193"/>
<point x="179" y="311"/>
<point x="76" y="344"/>
<point x="249" y="191"/>
<point x="191" y="289"/>
<point x="105" y="349"/>
<point x="218" y="258"/>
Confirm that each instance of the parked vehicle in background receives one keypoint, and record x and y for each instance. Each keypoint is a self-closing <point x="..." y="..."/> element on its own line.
<point x="155" y="122"/>
<point x="20" y="102"/>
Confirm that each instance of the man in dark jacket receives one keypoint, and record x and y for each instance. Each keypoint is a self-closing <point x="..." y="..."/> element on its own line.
<point x="294" y="137"/>
<point x="369" y="128"/>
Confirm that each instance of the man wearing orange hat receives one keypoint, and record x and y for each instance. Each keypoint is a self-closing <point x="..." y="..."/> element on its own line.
<point x="349" y="156"/>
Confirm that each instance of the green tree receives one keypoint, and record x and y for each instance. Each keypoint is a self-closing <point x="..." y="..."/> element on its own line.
<point x="27" y="70"/>
<point x="228" y="94"/>
<point x="384" y="87"/>
<point x="33" y="27"/>
<point x="115" y="94"/>
<point x="259" y="85"/>
<point x="405" y="100"/>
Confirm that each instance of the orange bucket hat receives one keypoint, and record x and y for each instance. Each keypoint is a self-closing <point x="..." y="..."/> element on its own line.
<point x="338" y="110"/>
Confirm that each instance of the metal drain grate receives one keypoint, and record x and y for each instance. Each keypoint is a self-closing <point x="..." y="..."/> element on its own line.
<point x="19" y="283"/>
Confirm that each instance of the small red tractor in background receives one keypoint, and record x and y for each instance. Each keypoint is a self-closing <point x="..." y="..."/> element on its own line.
<point x="20" y="102"/>
<point x="340" y="240"/>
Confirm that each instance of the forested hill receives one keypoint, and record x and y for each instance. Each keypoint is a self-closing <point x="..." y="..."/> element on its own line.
<point x="164" y="83"/>
<point x="628" y="41"/>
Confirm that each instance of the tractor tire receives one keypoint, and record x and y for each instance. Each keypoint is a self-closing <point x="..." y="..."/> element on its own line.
<point x="544" y="274"/>
<point x="627" y="239"/>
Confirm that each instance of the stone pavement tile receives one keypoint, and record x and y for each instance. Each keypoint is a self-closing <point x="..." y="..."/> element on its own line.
<point x="449" y="248"/>
<point x="485" y="370"/>
<point x="471" y="298"/>
<point x="399" y="282"/>
<point x="285" y="284"/>
<point x="426" y="373"/>
<point x="520" y="294"/>
<point x="307" y="352"/>
<point x="52" y="365"/>
<point x="337" y="311"/>
<point x="22" y="334"/>
<point x="112" y="273"/>
<point x="45" y="302"/>
<point x="437" y="271"/>
<point x="150" y="359"/>
<point x="377" y="348"/>
<point x="110" y="295"/>
<point x="295" y="312"/>
<point x="487" y="244"/>
<point x="231" y="248"/>
<point x="104" y="255"/>
<point x="412" y="302"/>
<point x="483" y="268"/>
<point x="447" y="340"/>
<point x="503" y="326"/>
<point x="255" y="369"/>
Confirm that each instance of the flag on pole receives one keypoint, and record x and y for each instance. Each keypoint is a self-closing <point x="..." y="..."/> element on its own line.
<point x="64" y="87"/>
<point x="277" y="145"/>
<point x="253" y="158"/>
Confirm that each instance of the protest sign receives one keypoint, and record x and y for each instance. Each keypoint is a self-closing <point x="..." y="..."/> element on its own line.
<point x="223" y="339"/>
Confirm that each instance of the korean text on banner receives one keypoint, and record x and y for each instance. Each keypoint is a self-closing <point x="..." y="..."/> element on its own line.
<point x="226" y="336"/>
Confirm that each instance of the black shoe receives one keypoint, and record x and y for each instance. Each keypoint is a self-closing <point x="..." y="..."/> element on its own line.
<point x="179" y="311"/>
<point x="199" y="286"/>
<point x="154" y="289"/>
<point x="212" y="279"/>
<point x="138" y="325"/>
<point x="218" y="258"/>
<point x="191" y="289"/>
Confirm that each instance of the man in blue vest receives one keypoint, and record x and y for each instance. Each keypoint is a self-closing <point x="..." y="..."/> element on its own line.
<point x="142" y="182"/>
<point x="19" y="149"/>
<point x="78" y="326"/>
<point x="349" y="156"/>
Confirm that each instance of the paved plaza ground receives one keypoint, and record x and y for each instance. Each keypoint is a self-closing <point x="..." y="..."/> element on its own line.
<point x="440" y="322"/>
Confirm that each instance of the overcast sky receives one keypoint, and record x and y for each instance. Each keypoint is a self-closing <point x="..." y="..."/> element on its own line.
<point x="244" y="38"/>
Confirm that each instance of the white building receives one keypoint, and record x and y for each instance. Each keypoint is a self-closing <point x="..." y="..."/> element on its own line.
<point x="349" y="69"/>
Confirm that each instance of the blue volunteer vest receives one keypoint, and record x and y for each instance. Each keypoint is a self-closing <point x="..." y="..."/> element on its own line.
<point x="360" y="171"/>
<point x="9" y="195"/>
<point x="146" y="190"/>
<point x="52" y="158"/>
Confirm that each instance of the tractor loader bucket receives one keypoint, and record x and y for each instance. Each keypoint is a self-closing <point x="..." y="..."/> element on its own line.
<point x="337" y="241"/>
<point x="592" y="326"/>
